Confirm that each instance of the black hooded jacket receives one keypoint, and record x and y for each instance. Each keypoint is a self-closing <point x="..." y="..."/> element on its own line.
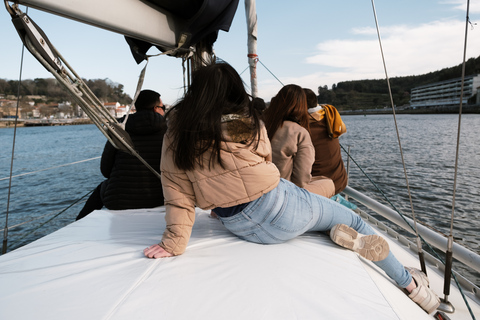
<point x="130" y="184"/>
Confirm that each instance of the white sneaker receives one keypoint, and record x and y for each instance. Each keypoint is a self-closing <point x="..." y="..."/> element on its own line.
<point x="419" y="276"/>
<point x="371" y="247"/>
<point x="422" y="295"/>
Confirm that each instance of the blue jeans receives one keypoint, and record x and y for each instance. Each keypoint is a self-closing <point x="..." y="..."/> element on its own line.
<point x="289" y="211"/>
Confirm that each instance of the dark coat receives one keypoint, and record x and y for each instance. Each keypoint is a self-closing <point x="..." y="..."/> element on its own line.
<point x="328" y="155"/>
<point x="130" y="184"/>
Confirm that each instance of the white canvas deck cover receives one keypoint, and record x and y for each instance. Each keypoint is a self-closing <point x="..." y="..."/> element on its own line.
<point x="95" y="269"/>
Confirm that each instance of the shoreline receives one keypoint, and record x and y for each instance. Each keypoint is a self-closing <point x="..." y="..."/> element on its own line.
<point x="467" y="109"/>
<point x="10" y="123"/>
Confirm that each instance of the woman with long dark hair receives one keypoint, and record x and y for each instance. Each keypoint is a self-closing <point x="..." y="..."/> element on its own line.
<point x="216" y="155"/>
<point x="286" y="120"/>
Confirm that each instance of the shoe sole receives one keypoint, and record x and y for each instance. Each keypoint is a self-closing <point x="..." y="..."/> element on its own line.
<point x="371" y="247"/>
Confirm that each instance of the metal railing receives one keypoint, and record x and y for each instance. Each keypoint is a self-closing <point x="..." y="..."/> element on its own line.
<point x="437" y="240"/>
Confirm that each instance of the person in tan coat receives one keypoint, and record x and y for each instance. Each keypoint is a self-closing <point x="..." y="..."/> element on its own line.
<point x="216" y="155"/>
<point x="293" y="153"/>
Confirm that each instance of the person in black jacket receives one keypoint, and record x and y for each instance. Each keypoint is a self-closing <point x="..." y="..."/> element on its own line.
<point x="130" y="184"/>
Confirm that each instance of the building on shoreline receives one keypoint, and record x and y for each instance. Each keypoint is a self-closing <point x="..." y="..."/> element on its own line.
<point x="446" y="93"/>
<point x="28" y="109"/>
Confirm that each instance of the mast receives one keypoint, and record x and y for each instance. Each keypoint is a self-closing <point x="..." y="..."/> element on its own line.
<point x="251" y="14"/>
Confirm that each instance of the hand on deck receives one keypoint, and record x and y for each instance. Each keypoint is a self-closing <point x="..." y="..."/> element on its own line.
<point x="156" y="251"/>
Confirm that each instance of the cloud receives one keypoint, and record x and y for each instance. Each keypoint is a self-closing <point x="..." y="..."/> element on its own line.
<point x="408" y="50"/>
<point x="462" y="5"/>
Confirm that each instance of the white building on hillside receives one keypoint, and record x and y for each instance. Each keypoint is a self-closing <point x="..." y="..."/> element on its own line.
<point x="112" y="107"/>
<point x="445" y="93"/>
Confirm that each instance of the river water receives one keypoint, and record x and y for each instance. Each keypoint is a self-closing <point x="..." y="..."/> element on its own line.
<point x="71" y="155"/>
<point x="37" y="193"/>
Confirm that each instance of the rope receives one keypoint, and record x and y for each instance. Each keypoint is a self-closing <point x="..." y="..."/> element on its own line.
<point x="62" y="165"/>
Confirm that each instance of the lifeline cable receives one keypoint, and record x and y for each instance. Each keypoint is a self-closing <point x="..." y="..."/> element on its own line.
<point x="47" y="214"/>
<point x="62" y="165"/>
<point x="56" y="215"/>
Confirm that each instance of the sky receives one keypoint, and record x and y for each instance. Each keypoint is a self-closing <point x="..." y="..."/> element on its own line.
<point x="310" y="43"/>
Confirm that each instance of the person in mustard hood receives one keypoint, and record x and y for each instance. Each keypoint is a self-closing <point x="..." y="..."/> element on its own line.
<point x="326" y="126"/>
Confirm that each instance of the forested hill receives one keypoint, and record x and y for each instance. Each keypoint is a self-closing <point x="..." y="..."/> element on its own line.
<point x="361" y="94"/>
<point x="49" y="90"/>
<point x="345" y="95"/>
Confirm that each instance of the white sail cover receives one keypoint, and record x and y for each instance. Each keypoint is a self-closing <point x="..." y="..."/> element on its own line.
<point x="95" y="269"/>
<point x="165" y="24"/>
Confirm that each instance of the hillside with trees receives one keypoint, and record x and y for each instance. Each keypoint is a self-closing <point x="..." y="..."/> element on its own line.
<point x="345" y="95"/>
<point x="367" y="94"/>
<point x="50" y="91"/>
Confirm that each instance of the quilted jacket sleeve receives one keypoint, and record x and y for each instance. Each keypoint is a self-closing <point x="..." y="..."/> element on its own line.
<point x="293" y="153"/>
<point x="179" y="202"/>
<point x="303" y="159"/>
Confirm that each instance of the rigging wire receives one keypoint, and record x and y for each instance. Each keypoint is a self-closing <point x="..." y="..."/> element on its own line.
<point x="419" y="243"/>
<point x="5" y="231"/>
<point x="244" y="70"/>
<point x="258" y="60"/>
<point x="446" y="305"/>
<point x="270" y="72"/>
<point x="59" y="166"/>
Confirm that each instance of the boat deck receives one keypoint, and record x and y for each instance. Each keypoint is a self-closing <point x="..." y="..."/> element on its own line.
<point x="95" y="269"/>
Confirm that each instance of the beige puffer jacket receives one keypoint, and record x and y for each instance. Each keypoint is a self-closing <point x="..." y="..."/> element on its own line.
<point x="248" y="174"/>
<point x="294" y="155"/>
